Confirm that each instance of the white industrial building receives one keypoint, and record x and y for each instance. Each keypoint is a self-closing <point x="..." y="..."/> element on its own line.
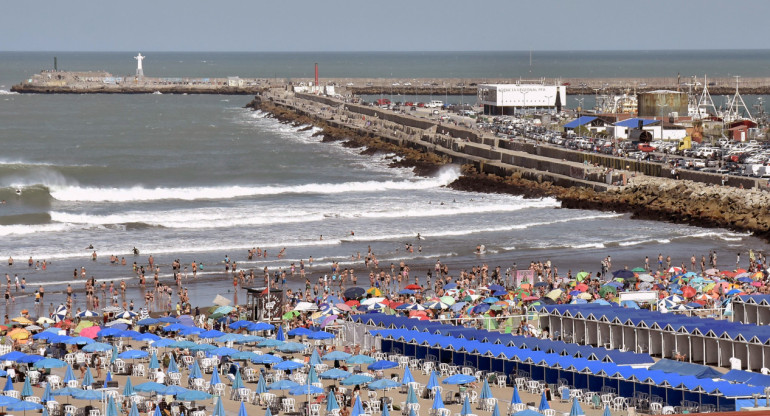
<point x="506" y="99"/>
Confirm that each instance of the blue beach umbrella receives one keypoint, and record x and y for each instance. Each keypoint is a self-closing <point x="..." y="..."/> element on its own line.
<point x="607" y="411"/>
<point x="246" y="356"/>
<point x="360" y="359"/>
<point x="8" y="384"/>
<point x="111" y="409"/>
<point x="163" y="343"/>
<point x="128" y="389"/>
<point x="407" y="378"/>
<point x="320" y="335"/>
<point x="312" y="376"/>
<point x="97" y="347"/>
<point x="282" y="385"/>
<point x="134" y="411"/>
<point x="576" y="410"/>
<point x="261" y="388"/>
<point x="268" y="412"/>
<point x="280" y="335"/>
<point x="154" y="361"/>
<point x="356" y="379"/>
<point x="147" y="336"/>
<point x="299" y="332"/>
<point x="331" y="403"/>
<point x="211" y="333"/>
<point x="459" y="379"/>
<point x="195" y="370"/>
<point x="133" y="354"/>
<point x="46" y="394"/>
<point x="291" y="347"/>
<point x="172" y="367"/>
<point x="69" y="375"/>
<point x="219" y="409"/>
<point x="358" y="408"/>
<point x="305" y="390"/>
<point x="334" y="373"/>
<point x="109" y="376"/>
<point x="193" y="395"/>
<point x="108" y="332"/>
<point x="411" y="396"/>
<point x="432" y="381"/>
<point x="215" y="378"/>
<point x="50" y="363"/>
<point x="269" y="343"/>
<point x="238" y="380"/>
<point x="466" y="410"/>
<point x="172" y="390"/>
<point x="158" y="413"/>
<point x="23" y="405"/>
<point x="267" y="359"/>
<point x="30" y="359"/>
<point x="515" y="398"/>
<point x="437" y="402"/>
<point x="382" y="365"/>
<point x="543" y="404"/>
<point x="12" y="356"/>
<point x="88" y="394"/>
<point x="382" y="384"/>
<point x="27" y="389"/>
<point x="288" y="365"/>
<point x="496" y="410"/>
<point x="79" y="341"/>
<point x="411" y="412"/>
<point x="336" y="355"/>
<point x="242" y="410"/>
<point x="385" y="411"/>
<point x="223" y="351"/>
<point x="315" y="359"/>
<point x="486" y="392"/>
<point x="260" y="326"/>
<point x="66" y="391"/>
<point x="88" y="378"/>
<point x="149" y="386"/>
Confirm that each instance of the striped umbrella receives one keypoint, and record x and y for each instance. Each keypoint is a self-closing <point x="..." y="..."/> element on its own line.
<point x="60" y="314"/>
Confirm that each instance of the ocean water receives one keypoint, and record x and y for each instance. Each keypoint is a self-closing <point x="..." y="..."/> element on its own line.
<point x="200" y="177"/>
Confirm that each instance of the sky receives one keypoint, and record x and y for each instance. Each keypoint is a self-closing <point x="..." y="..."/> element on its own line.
<point x="389" y="25"/>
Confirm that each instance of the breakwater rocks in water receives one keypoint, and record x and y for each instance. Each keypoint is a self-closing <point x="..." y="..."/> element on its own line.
<point x="644" y="197"/>
<point x="423" y="163"/>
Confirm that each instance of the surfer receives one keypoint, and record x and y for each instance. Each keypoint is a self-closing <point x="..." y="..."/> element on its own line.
<point x="18" y="191"/>
<point x="90" y="247"/>
<point x="419" y="237"/>
<point x="136" y="251"/>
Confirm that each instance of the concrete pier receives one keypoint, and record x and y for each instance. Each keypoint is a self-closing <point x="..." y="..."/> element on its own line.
<point x="100" y="82"/>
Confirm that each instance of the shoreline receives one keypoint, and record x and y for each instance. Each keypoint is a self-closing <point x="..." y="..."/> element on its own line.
<point x="644" y="197"/>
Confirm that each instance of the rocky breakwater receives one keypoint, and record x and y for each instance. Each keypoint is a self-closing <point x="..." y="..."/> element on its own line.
<point x="422" y="163"/>
<point x="645" y="197"/>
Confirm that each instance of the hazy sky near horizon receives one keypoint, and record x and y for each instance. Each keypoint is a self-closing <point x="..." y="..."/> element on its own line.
<point x="391" y="25"/>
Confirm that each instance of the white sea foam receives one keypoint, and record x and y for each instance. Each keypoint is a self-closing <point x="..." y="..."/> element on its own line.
<point x="94" y="194"/>
<point x="6" y="92"/>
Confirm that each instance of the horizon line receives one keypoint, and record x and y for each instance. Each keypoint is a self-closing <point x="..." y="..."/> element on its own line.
<point x="386" y="51"/>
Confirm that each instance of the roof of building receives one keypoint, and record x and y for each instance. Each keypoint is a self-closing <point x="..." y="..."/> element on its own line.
<point x="580" y="121"/>
<point x="634" y="122"/>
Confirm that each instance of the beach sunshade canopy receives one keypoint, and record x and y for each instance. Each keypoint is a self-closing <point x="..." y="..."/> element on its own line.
<point x="283" y="385"/>
<point x="336" y="355"/>
<point x="360" y="359"/>
<point x="334" y="373"/>
<point x="133" y="354"/>
<point x="193" y="395"/>
<point x="305" y="390"/>
<point x="382" y="365"/>
<point x="459" y="379"/>
<point x="543" y="403"/>
<point x="382" y="384"/>
<point x="356" y="379"/>
<point x="288" y="365"/>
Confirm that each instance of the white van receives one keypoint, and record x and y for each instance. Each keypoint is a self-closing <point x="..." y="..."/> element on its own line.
<point x="435" y="104"/>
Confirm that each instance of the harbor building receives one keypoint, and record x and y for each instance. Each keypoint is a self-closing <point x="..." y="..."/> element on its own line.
<point x="510" y="99"/>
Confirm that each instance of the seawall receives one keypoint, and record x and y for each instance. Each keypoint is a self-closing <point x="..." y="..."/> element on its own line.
<point x="491" y="164"/>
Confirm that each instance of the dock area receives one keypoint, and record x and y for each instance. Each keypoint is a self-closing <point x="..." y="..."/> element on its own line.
<point x="100" y="82"/>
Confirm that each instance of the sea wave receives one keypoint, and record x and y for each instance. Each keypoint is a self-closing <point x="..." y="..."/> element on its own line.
<point x="98" y="194"/>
